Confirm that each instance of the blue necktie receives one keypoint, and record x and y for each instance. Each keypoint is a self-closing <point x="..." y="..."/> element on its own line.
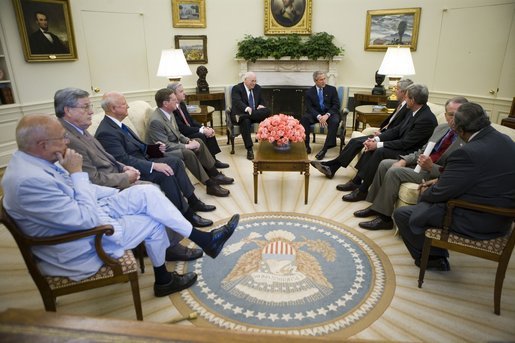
<point x="125" y="129"/>
<point x="321" y="98"/>
<point x="251" y="100"/>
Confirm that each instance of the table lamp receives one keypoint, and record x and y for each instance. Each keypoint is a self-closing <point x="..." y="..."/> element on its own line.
<point x="173" y="65"/>
<point x="397" y="62"/>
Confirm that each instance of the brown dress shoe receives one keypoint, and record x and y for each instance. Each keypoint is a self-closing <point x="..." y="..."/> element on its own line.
<point x="354" y="196"/>
<point x="221" y="179"/>
<point x="347" y="187"/>
<point x="377" y="224"/>
<point x="366" y="212"/>
<point x="217" y="191"/>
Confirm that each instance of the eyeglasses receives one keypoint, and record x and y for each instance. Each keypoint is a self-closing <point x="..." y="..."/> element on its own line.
<point x="66" y="136"/>
<point x="84" y="107"/>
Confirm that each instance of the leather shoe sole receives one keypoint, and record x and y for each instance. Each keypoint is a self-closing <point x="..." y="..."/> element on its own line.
<point x="354" y="196"/>
<point x="177" y="284"/>
<point x="377" y="224"/>
<point x="347" y="187"/>
<point x="181" y="253"/>
<point x="220" y="236"/>
<point x="440" y="264"/>
<point x="199" y="206"/>
<point x="217" y="191"/>
<point x="321" y="154"/>
<point x="221" y="179"/>
<point x="366" y="212"/>
<point x="221" y="165"/>
<point x="198" y="221"/>
<point x="323" y="169"/>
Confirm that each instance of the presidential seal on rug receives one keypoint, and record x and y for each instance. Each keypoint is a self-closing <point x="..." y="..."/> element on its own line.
<point x="289" y="273"/>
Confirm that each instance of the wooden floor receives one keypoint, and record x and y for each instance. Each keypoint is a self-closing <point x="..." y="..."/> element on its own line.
<point x="452" y="307"/>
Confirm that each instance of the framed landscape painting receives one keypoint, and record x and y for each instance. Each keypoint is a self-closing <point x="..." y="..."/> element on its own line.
<point x="194" y="48"/>
<point x="287" y="17"/>
<point x="392" y="27"/>
<point x="189" y="13"/>
<point x="46" y="30"/>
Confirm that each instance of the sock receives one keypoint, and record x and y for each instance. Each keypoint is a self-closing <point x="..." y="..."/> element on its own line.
<point x="162" y="275"/>
<point x="334" y="168"/>
<point x="357" y="180"/>
<point x="192" y="199"/>
<point x="210" y="182"/>
<point x="189" y="214"/>
<point x="212" y="171"/>
<point x="200" y="238"/>
<point x="385" y="218"/>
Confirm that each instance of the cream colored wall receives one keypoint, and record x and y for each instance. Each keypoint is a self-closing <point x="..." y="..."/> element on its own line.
<point x="227" y="22"/>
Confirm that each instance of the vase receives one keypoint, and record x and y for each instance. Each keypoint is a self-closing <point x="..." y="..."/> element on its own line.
<point x="281" y="147"/>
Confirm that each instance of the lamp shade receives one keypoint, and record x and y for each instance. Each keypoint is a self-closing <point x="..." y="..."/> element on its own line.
<point x="397" y="62"/>
<point x="173" y="64"/>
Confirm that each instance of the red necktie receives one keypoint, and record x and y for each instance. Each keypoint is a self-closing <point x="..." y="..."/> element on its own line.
<point x="183" y="116"/>
<point x="444" y="144"/>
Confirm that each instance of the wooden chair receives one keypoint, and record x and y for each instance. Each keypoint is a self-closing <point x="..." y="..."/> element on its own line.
<point x="497" y="249"/>
<point x="233" y="129"/>
<point x="120" y="270"/>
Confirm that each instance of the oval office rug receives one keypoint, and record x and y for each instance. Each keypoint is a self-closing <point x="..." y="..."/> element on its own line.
<point x="289" y="273"/>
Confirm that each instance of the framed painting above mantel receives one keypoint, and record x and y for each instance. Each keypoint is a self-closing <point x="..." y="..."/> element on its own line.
<point x="287" y="17"/>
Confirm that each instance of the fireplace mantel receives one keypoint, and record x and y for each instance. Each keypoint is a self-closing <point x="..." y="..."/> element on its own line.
<point x="287" y="71"/>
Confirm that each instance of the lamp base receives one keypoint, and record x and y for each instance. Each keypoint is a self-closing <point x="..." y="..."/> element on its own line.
<point x="174" y="79"/>
<point x="392" y="83"/>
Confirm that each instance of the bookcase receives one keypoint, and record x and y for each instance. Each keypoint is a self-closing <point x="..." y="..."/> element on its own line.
<point x="6" y="87"/>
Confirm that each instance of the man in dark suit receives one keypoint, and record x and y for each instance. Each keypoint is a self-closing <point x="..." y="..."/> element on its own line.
<point x="482" y="172"/>
<point x="355" y="145"/>
<point x="72" y="107"/>
<point x="126" y="147"/>
<point x="248" y="107"/>
<point x="190" y="128"/>
<point x="322" y="106"/>
<point x="405" y="138"/>
<point x="384" y="191"/>
<point x="44" y="42"/>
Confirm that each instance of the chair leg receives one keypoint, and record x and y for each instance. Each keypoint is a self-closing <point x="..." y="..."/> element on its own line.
<point x="228" y="137"/>
<point x="314" y="137"/>
<point x="232" y="145"/>
<point x="139" y="252"/>
<point x="499" y="280"/>
<point x="423" y="261"/>
<point x="136" y="296"/>
<point x="49" y="302"/>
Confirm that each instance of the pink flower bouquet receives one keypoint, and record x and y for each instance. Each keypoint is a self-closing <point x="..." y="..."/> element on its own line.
<point x="281" y="129"/>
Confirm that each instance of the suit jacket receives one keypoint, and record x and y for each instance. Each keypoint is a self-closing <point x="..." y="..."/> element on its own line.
<point x="439" y="133"/>
<point x="483" y="172"/>
<point x="131" y="152"/>
<point x="39" y="44"/>
<point x="43" y="202"/>
<point x="186" y="130"/>
<point x="240" y="99"/>
<point x="331" y="101"/>
<point x="400" y="115"/>
<point x="102" y="167"/>
<point x="165" y="130"/>
<point x="412" y="133"/>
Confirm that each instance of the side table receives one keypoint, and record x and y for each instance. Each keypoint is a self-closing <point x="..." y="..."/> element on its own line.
<point x="366" y="115"/>
<point x="215" y="99"/>
<point x="367" y="98"/>
<point x="205" y="115"/>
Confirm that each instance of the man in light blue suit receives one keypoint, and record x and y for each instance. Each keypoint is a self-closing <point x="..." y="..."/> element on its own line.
<point x="46" y="199"/>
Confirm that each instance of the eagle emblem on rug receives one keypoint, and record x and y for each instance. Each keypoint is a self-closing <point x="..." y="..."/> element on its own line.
<point x="280" y="271"/>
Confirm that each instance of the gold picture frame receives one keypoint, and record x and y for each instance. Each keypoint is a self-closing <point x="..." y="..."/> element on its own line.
<point x="392" y="27"/>
<point x="46" y="30"/>
<point x="189" y="13"/>
<point x="194" y="48"/>
<point x="292" y="17"/>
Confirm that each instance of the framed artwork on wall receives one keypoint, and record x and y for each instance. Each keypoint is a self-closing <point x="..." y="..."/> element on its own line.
<point x="287" y="17"/>
<point x="189" y="13"/>
<point x="392" y="27"/>
<point x="46" y="30"/>
<point x="194" y="48"/>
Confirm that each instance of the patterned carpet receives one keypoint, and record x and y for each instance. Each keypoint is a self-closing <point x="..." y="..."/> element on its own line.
<point x="289" y="273"/>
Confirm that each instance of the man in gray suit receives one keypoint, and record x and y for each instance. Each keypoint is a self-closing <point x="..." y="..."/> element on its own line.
<point x="74" y="112"/>
<point x="162" y="127"/>
<point x="482" y="172"/>
<point x="383" y="192"/>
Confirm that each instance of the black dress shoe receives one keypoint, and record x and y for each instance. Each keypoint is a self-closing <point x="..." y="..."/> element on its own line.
<point x="436" y="263"/>
<point x="354" y="196"/>
<point x="347" y="187"/>
<point x="323" y="169"/>
<point x="366" y="212"/>
<point x="221" y="165"/>
<point x="217" y="191"/>
<point x="250" y="154"/>
<point x="377" y="224"/>
<point x="181" y="253"/>
<point x="178" y="283"/>
<point x="199" y="206"/>
<point x="308" y="150"/>
<point x="198" y="221"/>
<point x="321" y="154"/>
<point x="221" y="179"/>
<point x="220" y="236"/>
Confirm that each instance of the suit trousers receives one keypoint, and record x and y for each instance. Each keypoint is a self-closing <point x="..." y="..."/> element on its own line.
<point x="210" y="142"/>
<point x="196" y="161"/>
<point x="384" y="191"/>
<point x="409" y="223"/>
<point x="332" y="128"/>
<point x="245" y="122"/>
<point x="351" y="149"/>
<point x="369" y="162"/>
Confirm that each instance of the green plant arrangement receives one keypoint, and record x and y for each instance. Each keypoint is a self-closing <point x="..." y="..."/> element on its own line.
<point x="318" y="45"/>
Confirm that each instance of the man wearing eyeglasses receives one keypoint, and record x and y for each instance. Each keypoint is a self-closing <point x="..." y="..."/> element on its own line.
<point x="74" y="110"/>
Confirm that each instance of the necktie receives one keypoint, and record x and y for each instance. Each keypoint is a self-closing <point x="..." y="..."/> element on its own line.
<point x="64" y="174"/>
<point x="183" y="116"/>
<point x="321" y="99"/>
<point x="251" y="100"/>
<point x="442" y="146"/>
<point x="392" y="117"/>
<point x="125" y="129"/>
